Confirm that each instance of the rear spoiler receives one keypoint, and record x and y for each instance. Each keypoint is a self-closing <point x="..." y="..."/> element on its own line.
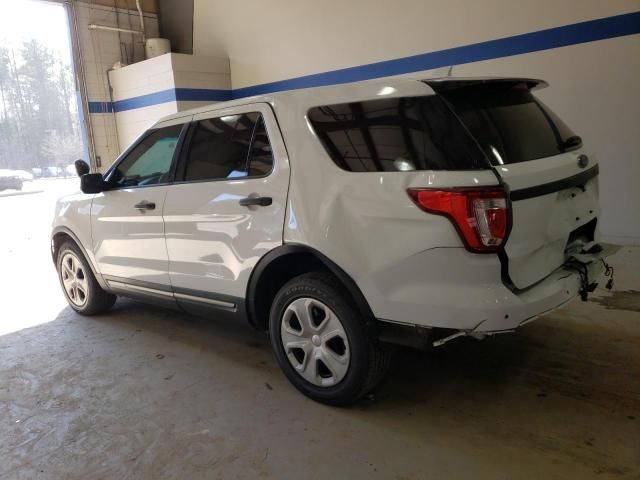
<point x="450" y="83"/>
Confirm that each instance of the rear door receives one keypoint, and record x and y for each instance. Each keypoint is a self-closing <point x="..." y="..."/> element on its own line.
<point x="227" y="207"/>
<point x="552" y="178"/>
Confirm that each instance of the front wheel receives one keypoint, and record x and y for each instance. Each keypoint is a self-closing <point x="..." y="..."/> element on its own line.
<point x="79" y="285"/>
<point x="321" y="341"/>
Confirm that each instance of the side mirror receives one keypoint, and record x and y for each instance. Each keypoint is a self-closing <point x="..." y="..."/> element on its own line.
<point x="93" y="183"/>
<point x="82" y="167"/>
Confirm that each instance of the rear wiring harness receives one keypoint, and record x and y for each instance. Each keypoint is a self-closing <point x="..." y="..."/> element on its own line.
<point x="586" y="287"/>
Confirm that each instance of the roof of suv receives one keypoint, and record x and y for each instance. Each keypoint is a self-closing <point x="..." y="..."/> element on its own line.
<point x="327" y="95"/>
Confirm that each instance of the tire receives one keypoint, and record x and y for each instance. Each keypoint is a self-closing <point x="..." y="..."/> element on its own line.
<point x="336" y="361"/>
<point x="80" y="287"/>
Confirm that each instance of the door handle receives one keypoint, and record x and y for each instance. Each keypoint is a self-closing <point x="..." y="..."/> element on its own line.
<point x="259" y="201"/>
<point x="144" y="205"/>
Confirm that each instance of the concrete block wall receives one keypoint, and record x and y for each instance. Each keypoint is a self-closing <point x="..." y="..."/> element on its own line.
<point x="148" y="90"/>
<point x="100" y="50"/>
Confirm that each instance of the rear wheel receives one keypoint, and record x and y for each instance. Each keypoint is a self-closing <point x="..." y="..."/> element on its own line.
<point x="321" y="341"/>
<point x="79" y="285"/>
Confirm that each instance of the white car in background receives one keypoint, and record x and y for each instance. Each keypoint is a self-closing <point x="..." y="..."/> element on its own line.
<point x="10" y="180"/>
<point x="345" y="219"/>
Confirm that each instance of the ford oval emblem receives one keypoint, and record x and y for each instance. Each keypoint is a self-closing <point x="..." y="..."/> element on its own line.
<point x="583" y="161"/>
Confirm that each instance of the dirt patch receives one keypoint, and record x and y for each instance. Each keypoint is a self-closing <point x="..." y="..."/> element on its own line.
<point x="622" y="300"/>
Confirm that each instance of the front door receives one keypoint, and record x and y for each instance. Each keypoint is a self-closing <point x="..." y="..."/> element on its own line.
<point x="227" y="206"/>
<point x="127" y="226"/>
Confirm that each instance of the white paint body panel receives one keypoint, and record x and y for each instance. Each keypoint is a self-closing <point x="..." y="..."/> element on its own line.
<point x="213" y="242"/>
<point x="129" y="243"/>
<point x="410" y="266"/>
<point x="73" y="212"/>
<point x="541" y="225"/>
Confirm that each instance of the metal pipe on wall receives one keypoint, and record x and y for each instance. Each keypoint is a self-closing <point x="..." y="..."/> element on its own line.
<point x="144" y="39"/>
<point x="94" y="26"/>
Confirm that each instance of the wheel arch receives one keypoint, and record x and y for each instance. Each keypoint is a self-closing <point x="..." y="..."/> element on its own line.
<point x="59" y="235"/>
<point x="280" y="265"/>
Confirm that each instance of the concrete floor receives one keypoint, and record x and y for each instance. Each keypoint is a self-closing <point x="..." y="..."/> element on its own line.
<point x="146" y="393"/>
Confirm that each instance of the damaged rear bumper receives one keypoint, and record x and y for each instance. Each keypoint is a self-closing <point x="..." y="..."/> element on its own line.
<point x="579" y="276"/>
<point x="491" y="308"/>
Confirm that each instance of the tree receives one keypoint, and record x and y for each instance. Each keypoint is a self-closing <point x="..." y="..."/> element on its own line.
<point x="37" y="108"/>
<point x="61" y="149"/>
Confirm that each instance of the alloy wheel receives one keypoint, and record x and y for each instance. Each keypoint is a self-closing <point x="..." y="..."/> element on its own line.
<point x="74" y="279"/>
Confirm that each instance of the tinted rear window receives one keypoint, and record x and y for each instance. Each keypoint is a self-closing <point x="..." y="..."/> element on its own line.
<point x="510" y="123"/>
<point x="396" y="134"/>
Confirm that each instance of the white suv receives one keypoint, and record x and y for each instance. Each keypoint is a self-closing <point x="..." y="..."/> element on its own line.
<point x="344" y="219"/>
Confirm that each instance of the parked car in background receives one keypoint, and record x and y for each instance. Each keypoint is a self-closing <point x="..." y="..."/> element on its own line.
<point x="344" y="219"/>
<point x="10" y="180"/>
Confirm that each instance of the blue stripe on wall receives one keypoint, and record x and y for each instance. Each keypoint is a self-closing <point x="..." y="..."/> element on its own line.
<point x="202" y="95"/>
<point x="590" y="31"/>
<point x="164" y="96"/>
<point x="100" y="107"/>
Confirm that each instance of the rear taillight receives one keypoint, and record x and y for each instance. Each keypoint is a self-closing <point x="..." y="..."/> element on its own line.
<point x="480" y="215"/>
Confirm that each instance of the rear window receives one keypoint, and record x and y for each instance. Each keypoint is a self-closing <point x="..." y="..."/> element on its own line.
<point x="510" y="123"/>
<point x="396" y="134"/>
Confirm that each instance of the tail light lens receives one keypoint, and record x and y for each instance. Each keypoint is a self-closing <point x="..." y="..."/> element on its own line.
<point x="480" y="215"/>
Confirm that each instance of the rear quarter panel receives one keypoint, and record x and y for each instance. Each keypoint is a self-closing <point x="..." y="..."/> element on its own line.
<point x="366" y="222"/>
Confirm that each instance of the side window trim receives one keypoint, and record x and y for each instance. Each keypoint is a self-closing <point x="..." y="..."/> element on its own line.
<point x="181" y="169"/>
<point x="133" y="146"/>
<point x="181" y="164"/>
<point x="247" y="165"/>
<point x="180" y="147"/>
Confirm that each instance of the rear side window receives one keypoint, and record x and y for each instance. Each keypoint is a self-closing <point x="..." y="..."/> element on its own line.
<point x="510" y="123"/>
<point x="396" y="134"/>
<point x="233" y="146"/>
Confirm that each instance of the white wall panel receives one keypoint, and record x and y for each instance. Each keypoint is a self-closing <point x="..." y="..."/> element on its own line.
<point x="133" y="122"/>
<point x="594" y="85"/>
<point x="148" y="90"/>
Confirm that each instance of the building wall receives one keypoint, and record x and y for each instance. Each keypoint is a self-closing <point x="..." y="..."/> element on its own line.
<point x="148" y="90"/>
<point x="100" y="50"/>
<point x="284" y="44"/>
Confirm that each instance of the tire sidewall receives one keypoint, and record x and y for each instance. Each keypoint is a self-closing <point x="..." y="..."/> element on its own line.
<point x="352" y="384"/>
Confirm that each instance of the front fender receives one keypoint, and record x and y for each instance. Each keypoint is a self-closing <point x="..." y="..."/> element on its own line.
<point x="73" y="219"/>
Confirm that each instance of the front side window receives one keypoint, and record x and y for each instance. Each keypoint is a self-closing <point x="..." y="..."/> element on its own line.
<point x="229" y="147"/>
<point x="396" y="134"/>
<point x="149" y="163"/>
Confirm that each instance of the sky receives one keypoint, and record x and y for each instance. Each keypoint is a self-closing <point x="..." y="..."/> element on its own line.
<point x="26" y="19"/>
